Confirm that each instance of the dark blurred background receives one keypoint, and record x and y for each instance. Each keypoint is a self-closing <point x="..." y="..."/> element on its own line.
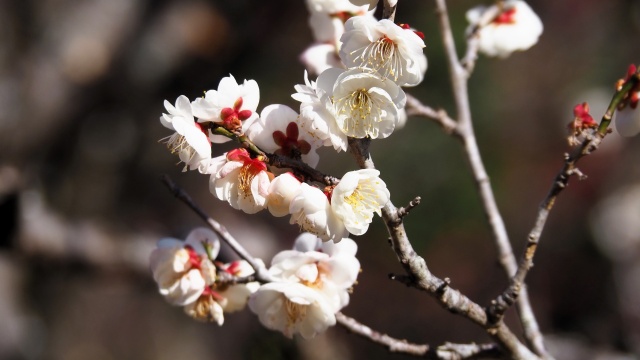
<point x="82" y="84"/>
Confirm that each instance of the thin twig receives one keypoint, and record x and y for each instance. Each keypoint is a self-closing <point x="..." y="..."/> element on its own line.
<point x="389" y="11"/>
<point x="447" y="351"/>
<point x="404" y="211"/>
<point x="261" y="273"/>
<point x="589" y="144"/>
<point x="417" y="108"/>
<point x="506" y="257"/>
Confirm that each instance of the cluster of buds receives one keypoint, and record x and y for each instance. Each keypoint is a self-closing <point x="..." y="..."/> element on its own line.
<point x="628" y="118"/>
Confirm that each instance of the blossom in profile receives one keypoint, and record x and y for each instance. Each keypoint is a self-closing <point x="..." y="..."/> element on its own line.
<point x="316" y="117"/>
<point x="240" y="180"/>
<point x="359" y="194"/>
<point x="282" y="190"/>
<point x="232" y="105"/>
<point x="190" y="140"/>
<point x="505" y="28"/>
<point x="319" y="57"/>
<point x="183" y="270"/>
<point x="394" y="51"/>
<point x="277" y="131"/>
<point x="310" y="209"/>
<point x="361" y="103"/>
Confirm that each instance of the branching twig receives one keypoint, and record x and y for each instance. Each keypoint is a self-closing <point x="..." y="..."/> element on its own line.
<point x="302" y="168"/>
<point x="416" y="267"/>
<point x="261" y="273"/>
<point x="404" y="211"/>
<point x="506" y="257"/>
<point x="447" y="351"/>
<point x="589" y="144"/>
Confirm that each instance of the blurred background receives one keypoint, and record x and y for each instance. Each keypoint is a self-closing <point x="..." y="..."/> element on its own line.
<point x="82" y="84"/>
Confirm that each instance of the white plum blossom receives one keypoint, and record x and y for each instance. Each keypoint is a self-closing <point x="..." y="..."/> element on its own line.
<point x="311" y="210"/>
<point x="327" y="267"/>
<point x="361" y="103"/>
<point x="241" y="181"/>
<point x="282" y="190"/>
<point x="371" y="3"/>
<point x="277" y="131"/>
<point x="333" y="6"/>
<point x="315" y="116"/>
<point x="189" y="141"/>
<point x="394" y="51"/>
<point x="359" y="194"/>
<point x="232" y="105"/>
<point x="221" y="298"/>
<point x="235" y="297"/>
<point x="183" y="270"/>
<point x="312" y="283"/>
<point x="292" y="308"/>
<point x="503" y="29"/>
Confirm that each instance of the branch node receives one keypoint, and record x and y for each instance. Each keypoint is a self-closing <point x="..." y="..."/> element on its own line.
<point x="404" y="211"/>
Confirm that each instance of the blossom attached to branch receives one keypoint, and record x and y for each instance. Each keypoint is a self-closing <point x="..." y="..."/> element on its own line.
<point x="311" y="209"/>
<point x="394" y="51"/>
<point x="233" y="106"/>
<point x="241" y="181"/>
<point x="358" y="195"/>
<point x="504" y="28"/>
<point x="184" y="269"/>
<point x="189" y="141"/>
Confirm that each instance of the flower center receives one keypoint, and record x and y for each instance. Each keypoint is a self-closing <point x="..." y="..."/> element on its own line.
<point x="178" y="144"/>
<point x="295" y="312"/>
<point x="358" y="111"/>
<point x="289" y="144"/>
<point x="381" y="56"/>
<point x="232" y="117"/>
<point x="363" y="200"/>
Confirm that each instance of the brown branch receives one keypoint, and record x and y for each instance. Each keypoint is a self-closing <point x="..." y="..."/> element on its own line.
<point x="448" y="351"/>
<point x="416" y="267"/>
<point x="415" y="107"/>
<point x="506" y="256"/>
<point x="404" y="211"/>
<point x="261" y="272"/>
<point x="389" y="11"/>
<point x="302" y="168"/>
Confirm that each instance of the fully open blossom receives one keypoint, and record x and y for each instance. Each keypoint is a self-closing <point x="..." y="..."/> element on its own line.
<point x="360" y="102"/>
<point x="327" y="267"/>
<point x="292" y="308"/>
<point x="358" y="195"/>
<point x="311" y="210"/>
<point x="395" y="52"/>
<point x="233" y="106"/>
<point x="281" y="191"/>
<point x="316" y="117"/>
<point x="240" y="180"/>
<point x="189" y="141"/>
<point x="183" y="270"/>
<point x="503" y="29"/>
<point x="277" y="131"/>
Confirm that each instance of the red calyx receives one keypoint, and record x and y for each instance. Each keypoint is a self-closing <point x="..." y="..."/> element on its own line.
<point x="583" y="119"/>
<point x="289" y="143"/>
<point x="407" y="27"/>
<point x="506" y="17"/>
<point x="232" y="117"/>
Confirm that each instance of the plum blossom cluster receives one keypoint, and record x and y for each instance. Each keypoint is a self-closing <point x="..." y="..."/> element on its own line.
<point x="311" y="282"/>
<point x="188" y="276"/>
<point x="357" y="94"/>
